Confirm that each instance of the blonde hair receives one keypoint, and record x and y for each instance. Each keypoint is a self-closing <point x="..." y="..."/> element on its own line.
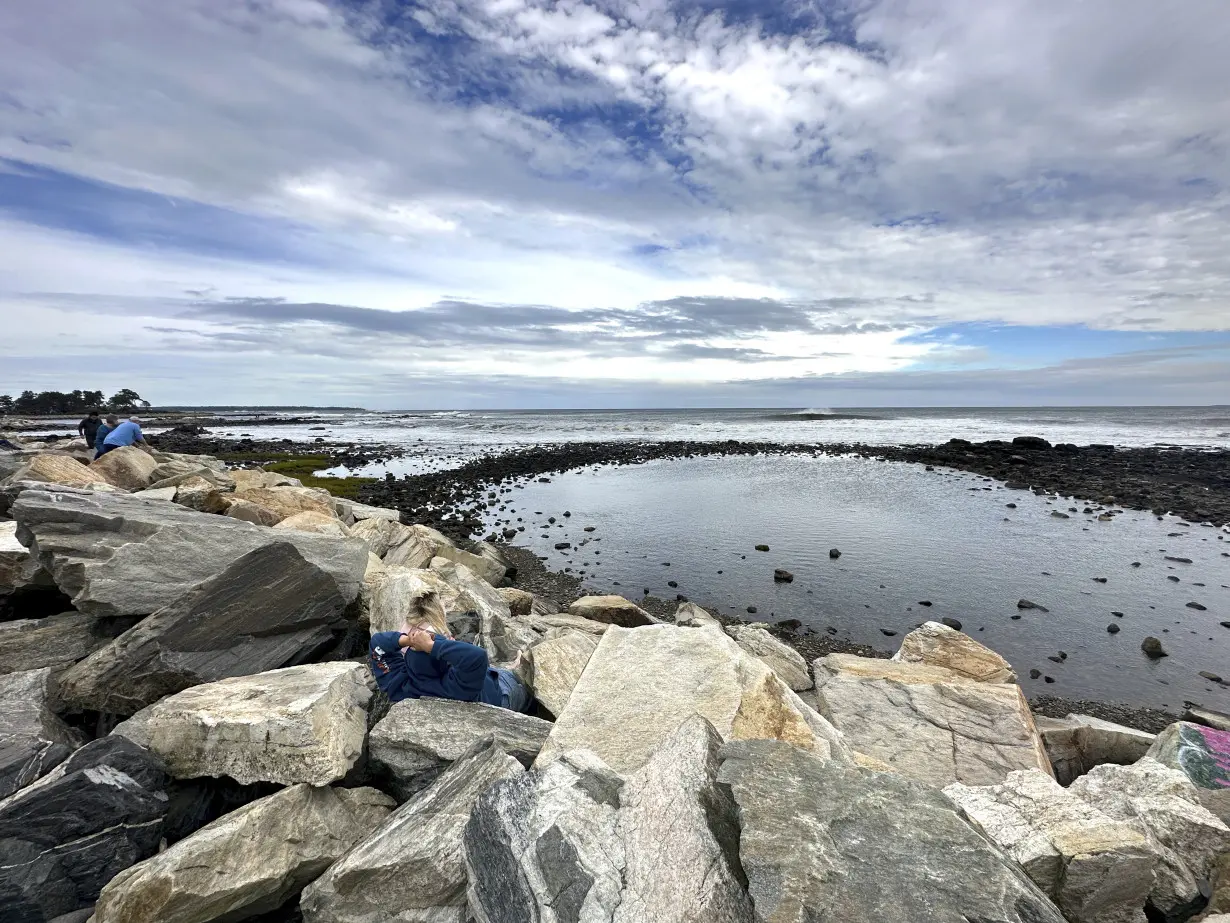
<point x="427" y="611"/>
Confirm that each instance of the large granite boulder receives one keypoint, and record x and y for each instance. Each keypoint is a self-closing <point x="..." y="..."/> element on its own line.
<point x="552" y="667"/>
<point x="256" y="478"/>
<point x="248" y="862"/>
<point x="352" y="511"/>
<point x="1077" y="743"/>
<point x="776" y="654"/>
<point x="393" y="590"/>
<point x="419" y="738"/>
<point x="410" y="868"/>
<point x="127" y="468"/>
<point x="490" y="571"/>
<point x="65" y="836"/>
<point x="14" y="558"/>
<point x="115" y="554"/>
<point x="821" y="840"/>
<point x="33" y="741"/>
<point x="57" y="641"/>
<point x="1095" y="868"/>
<point x="690" y="615"/>
<point x="284" y="501"/>
<point x="269" y="608"/>
<point x="938" y="645"/>
<point x="1163" y="805"/>
<point x="59" y="469"/>
<point x="614" y="610"/>
<point x="522" y="602"/>
<point x="574" y="841"/>
<point x="314" y="522"/>
<point x="394" y="543"/>
<point x="642" y="683"/>
<point x="202" y="494"/>
<point x="1203" y="755"/>
<point x="301" y="724"/>
<point x="929" y="723"/>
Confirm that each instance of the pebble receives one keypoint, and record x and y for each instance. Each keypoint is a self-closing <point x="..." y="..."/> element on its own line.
<point x="672" y="584"/>
<point x="1030" y="604"/>
<point x="1197" y="607"/>
<point x="783" y="576"/>
<point x="925" y="602"/>
<point x="834" y="553"/>
<point x="887" y="632"/>
<point x="1035" y="673"/>
<point x="1211" y="676"/>
<point x="762" y="547"/>
<point x="954" y="624"/>
<point x="751" y="610"/>
<point x="1172" y="578"/>
<point x="560" y="546"/>
<point x="1112" y="628"/>
<point x="1179" y="560"/>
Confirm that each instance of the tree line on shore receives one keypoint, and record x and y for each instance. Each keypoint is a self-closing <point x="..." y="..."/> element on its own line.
<point x="48" y="402"/>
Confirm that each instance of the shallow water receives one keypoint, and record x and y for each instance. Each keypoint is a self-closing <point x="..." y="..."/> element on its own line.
<point x="905" y="536"/>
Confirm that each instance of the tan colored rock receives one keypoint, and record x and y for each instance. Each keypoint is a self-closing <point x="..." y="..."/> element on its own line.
<point x="490" y="571"/>
<point x="247" y="511"/>
<point x="929" y="723"/>
<point x="1077" y="743"/>
<point x="614" y="610"/>
<point x="1096" y="869"/>
<point x="938" y="645"/>
<point x="127" y="467"/>
<point x="690" y="615"/>
<point x="519" y="601"/>
<point x="393" y="591"/>
<point x="287" y="501"/>
<point x="201" y="494"/>
<point x="553" y="667"/>
<point x="777" y="655"/>
<point x="14" y="557"/>
<point x="60" y="469"/>
<point x="314" y="522"/>
<point x="299" y="724"/>
<point x="164" y="494"/>
<point x="395" y="544"/>
<point x="247" y="862"/>
<point x="246" y="478"/>
<point x="641" y="684"/>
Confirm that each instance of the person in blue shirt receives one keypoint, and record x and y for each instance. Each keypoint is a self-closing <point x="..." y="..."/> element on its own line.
<point x="111" y="423"/>
<point x="127" y="433"/>
<point x="425" y="660"/>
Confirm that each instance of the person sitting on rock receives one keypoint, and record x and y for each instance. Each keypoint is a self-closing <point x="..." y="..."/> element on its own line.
<point x="424" y="660"/>
<point x="104" y="428"/>
<point x="127" y="433"/>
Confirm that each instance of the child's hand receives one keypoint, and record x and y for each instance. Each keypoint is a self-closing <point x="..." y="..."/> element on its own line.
<point x="420" y="640"/>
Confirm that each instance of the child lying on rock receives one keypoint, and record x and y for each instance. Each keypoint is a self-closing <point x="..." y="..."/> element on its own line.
<point x="425" y="660"/>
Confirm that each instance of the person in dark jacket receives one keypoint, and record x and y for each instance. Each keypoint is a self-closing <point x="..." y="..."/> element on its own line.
<point x="89" y="426"/>
<point x="425" y="660"/>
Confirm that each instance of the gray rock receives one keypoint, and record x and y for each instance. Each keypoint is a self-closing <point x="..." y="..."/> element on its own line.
<point x="394" y="543"/>
<point x="690" y="615"/>
<point x="574" y="842"/>
<point x="268" y="609"/>
<point x="65" y="836"/>
<point x="1203" y="755"/>
<point x="929" y="723"/>
<point x="554" y="665"/>
<point x="420" y="738"/>
<point x="1207" y="717"/>
<point x="941" y="645"/>
<point x="614" y="610"/>
<point x="642" y="683"/>
<point x="300" y="724"/>
<point x="410" y="869"/>
<point x="1077" y="743"/>
<point x="115" y="554"/>
<point x="352" y="511"/>
<point x="57" y="641"/>
<point x="247" y="862"/>
<point x="1096" y="869"/>
<point x="826" y="841"/>
<point x="777" y="655"/>
<point x="33" y="741"/>
<point x="1162" y="804"/>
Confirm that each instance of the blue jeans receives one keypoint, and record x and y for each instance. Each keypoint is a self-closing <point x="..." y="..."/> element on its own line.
<point x="513" y="694"/>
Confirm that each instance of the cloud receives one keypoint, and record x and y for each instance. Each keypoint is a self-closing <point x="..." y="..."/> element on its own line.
<point x="642" y="189"/>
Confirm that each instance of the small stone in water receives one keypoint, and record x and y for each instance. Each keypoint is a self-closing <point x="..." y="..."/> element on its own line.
<point x="762" y="547"/>
<point x="1153" y="647"/>
<point x="834" y="553"/>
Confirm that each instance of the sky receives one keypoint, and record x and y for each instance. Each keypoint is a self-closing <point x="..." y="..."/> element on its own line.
<point x="511" y="203"/>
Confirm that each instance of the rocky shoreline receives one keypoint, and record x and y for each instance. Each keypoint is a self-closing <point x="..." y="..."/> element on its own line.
<point x="195" y="738"/>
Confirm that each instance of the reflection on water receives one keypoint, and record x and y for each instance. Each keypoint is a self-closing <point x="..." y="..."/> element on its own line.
<point x="906" y="537"/>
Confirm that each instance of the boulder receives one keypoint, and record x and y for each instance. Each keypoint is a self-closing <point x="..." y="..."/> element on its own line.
<point x="114" y="554"/>
<point x="553" y="667"/>
<point x="68" y="834"/>
<point x="929" y="723"/>
<point x="314" y="522"/>
<point x="691" y="615"/>
<point x="14" y="558"/>
<point x="822" y="840"/>
<point x="394" y="543"/>
<point x="614" y="610"/>
<point x="351" y="511"/>
<point x="59" y="469"/>
<point x="127" y="468"/>
<point x="1162" y="804"/>
<point x="1203" y="755"/>
<point x="502" y="635"/>
<point x="33" y="741"/>
<point x="203" y="495"/>
<point x="497" y="556"/>
<point x="574" y="841"/>
<point x="394" y="589"/>
<point x="938" y="645"/>
<point x="286" y="500"/>
<point x="247" y="862"/>
<point x="270" y="608"/>
<point x="490" y="571"/>
<point x="1096" y="869"/>
<point x="300" y="724"/>
<point x="1207" y="717"/>
<point x="777" y="655"/>
<point x="411" y="868"/>
<point x="255" y="478"/>
<point x="642" y="683"/>
<point x="57" y="641"/>
<point x="162" y="494"/>
<point x="247" y="511"/>
<point x="1077" y="743"/>
<point x="519" y="602"/>
<point x="178" y="473"/>
<point x="419" y="738"/>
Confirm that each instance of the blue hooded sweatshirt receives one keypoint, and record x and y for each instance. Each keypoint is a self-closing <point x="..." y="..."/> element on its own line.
<point x="453" y="670"/>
